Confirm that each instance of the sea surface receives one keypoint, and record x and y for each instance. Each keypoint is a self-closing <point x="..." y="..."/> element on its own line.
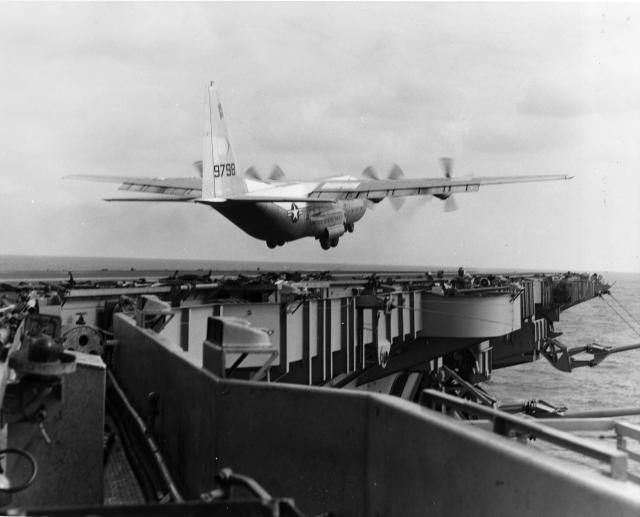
<point x="13" y="266"/>
<point x="613" y="383"/>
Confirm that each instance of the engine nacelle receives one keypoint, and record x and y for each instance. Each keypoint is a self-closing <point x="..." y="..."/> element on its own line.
<point x="333" y="232"/>
<point x="330" y="226"/>
<point x="442" y="196"/>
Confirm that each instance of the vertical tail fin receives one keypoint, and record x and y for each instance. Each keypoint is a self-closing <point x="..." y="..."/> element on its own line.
<point x="220" y="172"/>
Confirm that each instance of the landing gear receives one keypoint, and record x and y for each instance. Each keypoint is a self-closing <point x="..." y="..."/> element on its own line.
<point x="349" y="227"/>
<point x="273" y="244"/>
<point x="328" y="243"/>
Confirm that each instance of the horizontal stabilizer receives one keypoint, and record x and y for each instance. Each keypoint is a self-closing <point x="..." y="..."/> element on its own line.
<point x="108" y="179"/>
<point x="173" y="187"/>
<point x="155" y="199"/>
<point x="249" y="198"/>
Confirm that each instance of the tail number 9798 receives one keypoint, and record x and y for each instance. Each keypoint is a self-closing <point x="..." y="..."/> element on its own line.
<point x="222" y="169"/>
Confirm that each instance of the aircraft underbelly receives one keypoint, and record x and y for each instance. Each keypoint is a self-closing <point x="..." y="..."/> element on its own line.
<point x="267" y="221"/>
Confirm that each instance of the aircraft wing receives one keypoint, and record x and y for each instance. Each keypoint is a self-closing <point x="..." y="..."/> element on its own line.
<point x="187" y="189"/>
<point x="181" y="189"/>
<point x="377" y="189"/>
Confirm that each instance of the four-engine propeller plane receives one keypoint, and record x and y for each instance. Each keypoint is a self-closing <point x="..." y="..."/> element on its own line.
<point x="279" y="211"/>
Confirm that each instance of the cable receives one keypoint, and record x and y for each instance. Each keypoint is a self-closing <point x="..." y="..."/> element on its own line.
<point x="621" y="316"/>
<point x="625" y="309"/>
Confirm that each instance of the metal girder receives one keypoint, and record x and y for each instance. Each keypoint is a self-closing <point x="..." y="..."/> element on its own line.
<point x="561" y="357"/>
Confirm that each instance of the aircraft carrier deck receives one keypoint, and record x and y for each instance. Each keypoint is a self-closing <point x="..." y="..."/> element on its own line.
<point x="294" y="393"/>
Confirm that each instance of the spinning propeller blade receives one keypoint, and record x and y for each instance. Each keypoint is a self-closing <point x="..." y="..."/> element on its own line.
<point x="252" y="173"/>
<point x="370" y="173"/>
<point x="276" y="174"/>
<point x="447" y="165"/>
<point x="450" y="204"/>
<point x="396" y="173"/>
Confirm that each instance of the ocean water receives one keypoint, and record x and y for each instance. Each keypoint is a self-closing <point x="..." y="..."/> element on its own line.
<point x="613" y="383"/>
<point x="26" y="266"/>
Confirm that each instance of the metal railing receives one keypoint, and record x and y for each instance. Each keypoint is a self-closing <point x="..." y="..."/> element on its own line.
<point x="506" y="424"/>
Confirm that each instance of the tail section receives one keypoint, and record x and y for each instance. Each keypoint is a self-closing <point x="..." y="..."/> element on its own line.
<point x="220" y="172"/>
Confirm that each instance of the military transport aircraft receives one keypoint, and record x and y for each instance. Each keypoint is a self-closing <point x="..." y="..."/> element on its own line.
<point x="279" y="211"/>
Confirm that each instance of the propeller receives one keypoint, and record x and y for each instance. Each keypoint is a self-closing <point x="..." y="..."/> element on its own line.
<point x="450" y="204"/>
<point x="447" y="165"/>
<point x="252" y="173"/>
<point x="371" y="174"/>
<point x="276" y="174"/>
<point x="394" y="174"/>
<point x="198" y="166"/>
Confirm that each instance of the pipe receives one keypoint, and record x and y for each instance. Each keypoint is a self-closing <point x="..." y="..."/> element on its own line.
<point x="164" y="471"/>
<point x="603" y="413"/>
<point x="227" y="478"/>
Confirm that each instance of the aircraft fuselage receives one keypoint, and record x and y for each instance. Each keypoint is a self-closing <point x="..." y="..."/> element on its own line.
<point x="277" y="223"/>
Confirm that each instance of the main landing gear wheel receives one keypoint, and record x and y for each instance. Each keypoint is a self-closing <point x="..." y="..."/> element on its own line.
<point x="271" y="244"/>
<point x="349" y="227"/>
<point x="328" y="243"/>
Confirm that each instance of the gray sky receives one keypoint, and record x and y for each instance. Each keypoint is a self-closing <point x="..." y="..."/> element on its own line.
<point x="323" y="89"/>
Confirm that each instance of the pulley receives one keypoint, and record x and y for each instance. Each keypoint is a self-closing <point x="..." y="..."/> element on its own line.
<point x="84" y="338"/>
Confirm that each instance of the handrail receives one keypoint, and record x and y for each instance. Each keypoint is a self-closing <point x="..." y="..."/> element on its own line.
<point x="505" y="423"/>
<point x="624" y="431"/>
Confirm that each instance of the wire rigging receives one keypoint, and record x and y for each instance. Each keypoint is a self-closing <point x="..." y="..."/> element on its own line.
<point x="625" y="309"/>
<point x="621" y="316"/>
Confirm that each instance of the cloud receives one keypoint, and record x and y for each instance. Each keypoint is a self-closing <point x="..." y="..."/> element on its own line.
<point x="322" y="88"/>
<point x="554" y="100"/>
